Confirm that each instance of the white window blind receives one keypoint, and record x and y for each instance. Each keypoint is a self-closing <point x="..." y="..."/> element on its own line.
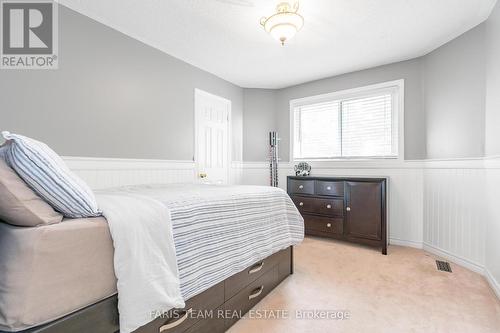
<point x="359" y="126"/>
<point x="318" y="132"/>
<point x="367" y="127"/>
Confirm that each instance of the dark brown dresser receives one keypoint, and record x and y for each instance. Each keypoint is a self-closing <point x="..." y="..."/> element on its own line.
<point x="351" y="209"/>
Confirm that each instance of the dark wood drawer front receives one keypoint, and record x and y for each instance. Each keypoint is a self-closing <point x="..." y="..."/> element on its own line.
<point x="330" y="207"/>
<point x="301" y="186"/>
<point x="285" y="266"/>
<point x="214" y="323"/>
<point x="180" y="320"/>
<point x="329" y="188"/>
<point x="251" y="295"/>
<point x="239" y="281"/>
<point x="324" y="224"/>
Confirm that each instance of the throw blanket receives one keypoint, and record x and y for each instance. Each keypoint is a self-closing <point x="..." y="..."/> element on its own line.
<point x="217" y="231"/>
<point x="144" y="257"/>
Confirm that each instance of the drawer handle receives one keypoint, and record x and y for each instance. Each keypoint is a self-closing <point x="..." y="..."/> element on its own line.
<point x="328" y="225"/>
<point x="301" y="204"/>
<point x="177" y="322"/>
<point x="348" y="209"/>
<point x="328" y="206"/>
<point x="301" y="187"/>
<point x="256" y="268"/>
<point x="328" y="188"/>
<point x="256" y="293"/>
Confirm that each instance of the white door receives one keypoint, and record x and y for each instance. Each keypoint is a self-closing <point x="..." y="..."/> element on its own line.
<point x="212" y="121"/>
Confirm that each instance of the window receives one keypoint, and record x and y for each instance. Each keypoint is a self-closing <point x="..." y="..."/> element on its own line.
<point x="361" y="123"/>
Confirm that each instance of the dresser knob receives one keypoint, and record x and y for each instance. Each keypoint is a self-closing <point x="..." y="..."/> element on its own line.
<point x="301" y="204"/>
<point x="301" y="187"/>
<point x="328" y="225"/>
<point x="328" y="206"/>
<point x="328" y="188"/>
<point x="348" y="209"/>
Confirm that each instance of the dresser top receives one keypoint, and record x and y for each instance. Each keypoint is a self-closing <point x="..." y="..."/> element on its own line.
<point x="337" y="178"/>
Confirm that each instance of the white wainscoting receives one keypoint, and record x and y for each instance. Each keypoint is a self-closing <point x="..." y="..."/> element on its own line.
<point x="492" y="196"/>
<point x="447" y="207"/>
<point x="455" y="211"/>
<point x="112" y="172"/>
<point x="405" y="195"/>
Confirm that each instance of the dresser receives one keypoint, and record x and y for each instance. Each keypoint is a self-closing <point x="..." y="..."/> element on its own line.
<point x="350" y="209"/>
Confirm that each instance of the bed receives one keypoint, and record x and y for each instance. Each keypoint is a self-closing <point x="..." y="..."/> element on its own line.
<point x="233" y="245"/>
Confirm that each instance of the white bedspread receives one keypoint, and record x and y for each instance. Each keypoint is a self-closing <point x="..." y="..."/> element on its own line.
<point x="145" y="261"/>
<point x="172" y="242"/>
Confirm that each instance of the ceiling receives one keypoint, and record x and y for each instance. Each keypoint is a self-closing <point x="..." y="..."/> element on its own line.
<point x="224" y="37"/>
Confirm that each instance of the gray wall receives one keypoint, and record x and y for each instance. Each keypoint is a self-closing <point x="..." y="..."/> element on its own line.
<point x="444" y="99"/>
<point x="493" y="83"/>
<point x="112" y="96"/>
<point x="122" y="98"/>
<point x="259" y="118"/>
<point x="454" y="81"/>
<point x="414" y="115"/>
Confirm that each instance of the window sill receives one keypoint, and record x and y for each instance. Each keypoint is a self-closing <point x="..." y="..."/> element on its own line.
<point x="382" y="163"/>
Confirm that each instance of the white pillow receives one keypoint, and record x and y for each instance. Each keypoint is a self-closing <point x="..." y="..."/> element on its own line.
<point x="47" y="174"/>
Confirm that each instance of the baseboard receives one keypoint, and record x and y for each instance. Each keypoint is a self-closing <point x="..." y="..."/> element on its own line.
<point x="493" y="282"/>
<point x="402" y="242"/>
<point x="454" y="258"/>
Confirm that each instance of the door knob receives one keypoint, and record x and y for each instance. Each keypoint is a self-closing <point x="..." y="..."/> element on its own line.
<point x="348" y="209"/>
<point x="203" y="175"/>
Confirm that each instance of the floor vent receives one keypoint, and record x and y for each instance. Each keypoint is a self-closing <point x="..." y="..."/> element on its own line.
<point x="443" y="266"/>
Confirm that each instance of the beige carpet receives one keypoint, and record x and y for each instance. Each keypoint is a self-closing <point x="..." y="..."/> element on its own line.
<point x="400" y="292"/>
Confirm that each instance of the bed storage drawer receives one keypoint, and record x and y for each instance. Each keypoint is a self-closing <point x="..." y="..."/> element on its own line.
<point x="214" y="323"/>
<point x="208" y="309"/>
<point x="180" y="320"/>
<point x="251" y="295"/>
<point x="242" y="279"/>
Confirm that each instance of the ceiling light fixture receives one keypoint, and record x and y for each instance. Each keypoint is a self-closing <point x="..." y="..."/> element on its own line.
<point x="283" y="25"/>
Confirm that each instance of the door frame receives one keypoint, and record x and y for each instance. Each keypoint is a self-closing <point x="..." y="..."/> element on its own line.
<point x="199" y="93"/>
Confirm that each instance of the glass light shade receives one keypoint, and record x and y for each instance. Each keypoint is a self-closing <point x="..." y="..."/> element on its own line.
<point x="283" y="26"/>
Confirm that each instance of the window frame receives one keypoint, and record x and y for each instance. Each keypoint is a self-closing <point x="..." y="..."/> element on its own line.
<point x="397" y="117"/>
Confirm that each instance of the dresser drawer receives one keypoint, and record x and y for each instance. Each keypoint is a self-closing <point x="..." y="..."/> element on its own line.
<point x="179" y="320"/>
<point x="301" y="186"/>
<point x="324" y="224"/>
<point x="251" y="295"/>
<point x="329" y="188"/>
<point x="242" y="279"/>
<point x="330" y="207"/>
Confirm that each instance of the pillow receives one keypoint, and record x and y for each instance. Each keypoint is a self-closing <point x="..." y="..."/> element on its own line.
<point x="47" y="174"/>
<point x="19" y="205"/>
<point x="3" y="149"/>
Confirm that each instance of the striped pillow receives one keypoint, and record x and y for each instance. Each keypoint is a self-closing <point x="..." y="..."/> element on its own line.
<point x="47" y="174"/>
